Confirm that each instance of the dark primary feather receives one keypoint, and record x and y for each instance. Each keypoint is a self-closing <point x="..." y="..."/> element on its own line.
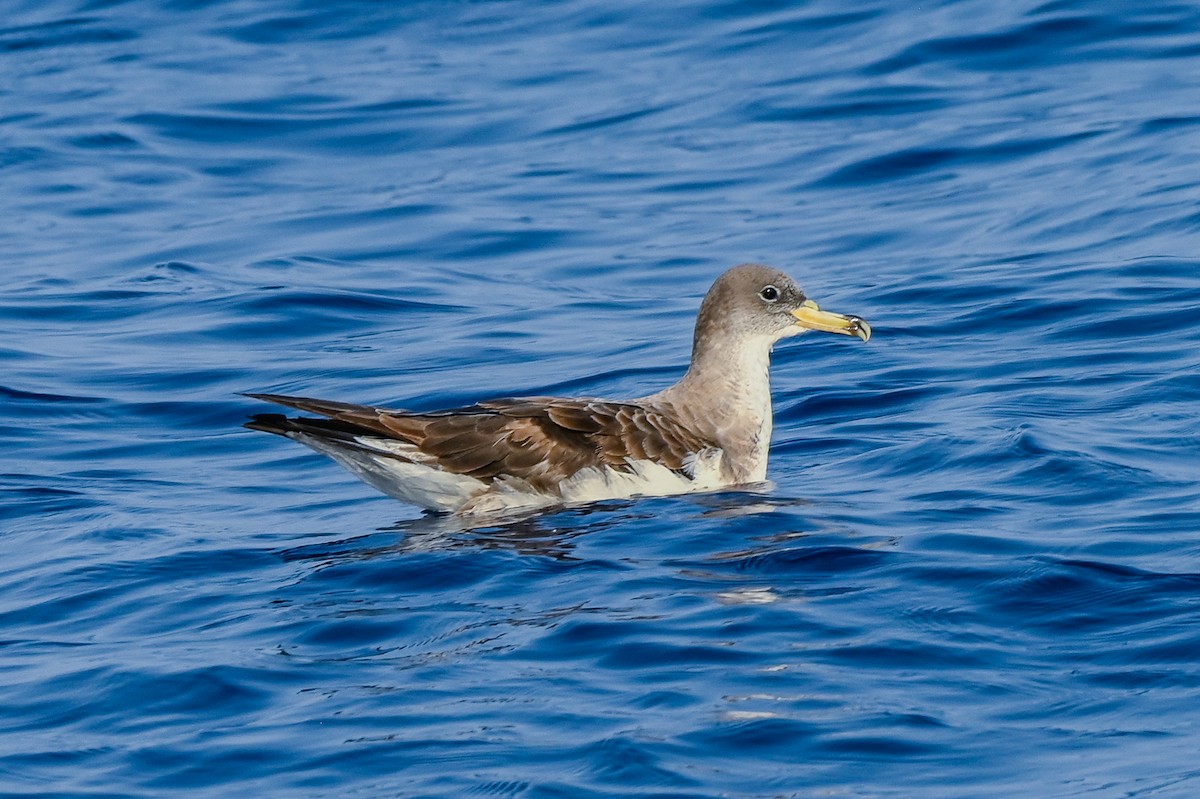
<point x="540" y="440"/>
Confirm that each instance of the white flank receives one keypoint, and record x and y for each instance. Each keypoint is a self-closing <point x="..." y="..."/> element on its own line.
<point x="415" y="483"/>
<point x="429" y="487"/>
<point x="646" y="479"/>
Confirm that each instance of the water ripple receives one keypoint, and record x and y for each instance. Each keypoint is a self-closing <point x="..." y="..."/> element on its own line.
<point x="974" y="573"/>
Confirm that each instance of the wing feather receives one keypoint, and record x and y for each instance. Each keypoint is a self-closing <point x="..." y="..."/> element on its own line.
<point x="538" y="440"/>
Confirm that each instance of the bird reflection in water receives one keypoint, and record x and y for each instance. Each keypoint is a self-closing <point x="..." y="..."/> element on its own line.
<point x="551" y="534"/>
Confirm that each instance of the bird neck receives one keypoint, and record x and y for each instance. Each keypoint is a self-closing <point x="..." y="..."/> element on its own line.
<point x="726" y="393"/>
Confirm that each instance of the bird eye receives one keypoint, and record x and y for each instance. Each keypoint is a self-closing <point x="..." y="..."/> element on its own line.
<point x="769" y="293"/>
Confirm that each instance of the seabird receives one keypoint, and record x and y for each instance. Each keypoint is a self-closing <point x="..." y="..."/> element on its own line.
<point x="712" y="429"/>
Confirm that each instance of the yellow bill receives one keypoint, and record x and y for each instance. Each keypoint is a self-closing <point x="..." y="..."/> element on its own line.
<point x="811" y="316"/>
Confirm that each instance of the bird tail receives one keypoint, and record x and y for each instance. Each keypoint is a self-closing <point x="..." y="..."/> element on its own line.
<point x="318" y="406"/>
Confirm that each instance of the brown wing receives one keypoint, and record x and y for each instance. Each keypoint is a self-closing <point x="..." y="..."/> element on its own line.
<point x="540" y="440"/>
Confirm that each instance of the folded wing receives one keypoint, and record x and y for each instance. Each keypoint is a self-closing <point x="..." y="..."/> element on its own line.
<point x="539" y="440"/>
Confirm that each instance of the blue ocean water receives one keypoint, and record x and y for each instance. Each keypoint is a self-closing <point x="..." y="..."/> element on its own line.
<point x="977" y="573"/>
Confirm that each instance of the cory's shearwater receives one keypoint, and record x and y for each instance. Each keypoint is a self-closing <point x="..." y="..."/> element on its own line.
<point x="712" y="429"/>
